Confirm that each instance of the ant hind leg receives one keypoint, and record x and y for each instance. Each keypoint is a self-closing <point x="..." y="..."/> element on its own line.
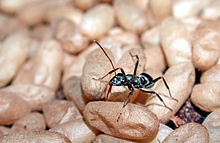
<point x="153" y="92"/>
<point x="164" y="81"/>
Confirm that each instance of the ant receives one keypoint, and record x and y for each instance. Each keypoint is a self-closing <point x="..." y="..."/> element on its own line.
<point x="141" y="82"/>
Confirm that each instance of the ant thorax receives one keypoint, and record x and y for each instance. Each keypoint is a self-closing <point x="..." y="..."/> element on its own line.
<point x="136" y="81"/>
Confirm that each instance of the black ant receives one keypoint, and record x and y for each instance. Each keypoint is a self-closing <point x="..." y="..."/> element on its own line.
<point x="142" y="82"/>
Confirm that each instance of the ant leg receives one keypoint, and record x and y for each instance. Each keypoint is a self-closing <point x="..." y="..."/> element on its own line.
<point x="109" y="73"/>
<point x="153" y="92"/>
<point x="164" y="81"/>
<point x="126" y="101"/>
<point x="136" y="65"/>
<point x="158" y="140"/>
<point x="109" y="90"/>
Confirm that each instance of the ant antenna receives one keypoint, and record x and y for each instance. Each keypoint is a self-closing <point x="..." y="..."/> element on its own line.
<point x="105" y="54"/>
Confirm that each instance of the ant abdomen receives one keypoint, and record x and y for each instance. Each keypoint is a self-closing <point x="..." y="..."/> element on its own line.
<point x="146" y="80"/>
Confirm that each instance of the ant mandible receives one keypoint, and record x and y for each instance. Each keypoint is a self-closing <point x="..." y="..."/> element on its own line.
<point x="141" y="82"/>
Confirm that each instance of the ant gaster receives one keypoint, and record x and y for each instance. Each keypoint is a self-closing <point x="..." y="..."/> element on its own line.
<point x="141" y="82"/>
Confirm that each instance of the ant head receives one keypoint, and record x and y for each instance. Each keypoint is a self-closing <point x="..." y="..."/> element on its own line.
<point x="118" y="80"/>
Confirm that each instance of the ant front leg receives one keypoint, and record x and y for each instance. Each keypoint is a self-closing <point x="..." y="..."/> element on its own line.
<point x="126" y="100"/>
<point x="111" y="73"/>
<point x="153" y="92"/>
<point x="109" y="90"/>
<point x="164" y="81"/>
